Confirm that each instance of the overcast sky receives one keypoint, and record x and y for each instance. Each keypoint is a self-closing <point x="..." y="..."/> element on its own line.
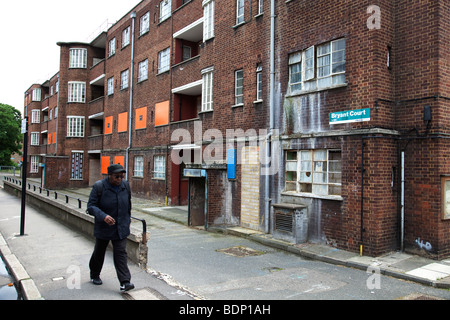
<point x="30" y="30"/>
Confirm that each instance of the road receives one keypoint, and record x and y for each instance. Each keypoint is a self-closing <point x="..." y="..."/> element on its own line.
<point x="195" y="259"/>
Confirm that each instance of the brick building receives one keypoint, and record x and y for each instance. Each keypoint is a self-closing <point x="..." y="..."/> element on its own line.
<point x="314" y="121"/>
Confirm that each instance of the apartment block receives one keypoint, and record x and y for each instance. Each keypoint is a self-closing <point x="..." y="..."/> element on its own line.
<point x="312" y="121"/>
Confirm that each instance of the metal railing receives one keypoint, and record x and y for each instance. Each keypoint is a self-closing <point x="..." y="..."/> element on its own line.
<point x="34" y="187"/>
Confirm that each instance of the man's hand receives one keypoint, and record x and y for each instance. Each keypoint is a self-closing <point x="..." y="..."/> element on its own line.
<point x="110" y="220"/>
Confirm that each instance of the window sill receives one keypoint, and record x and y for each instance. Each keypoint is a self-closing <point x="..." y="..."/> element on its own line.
<point x="240" y="105"/>
<point x="310" y="195"/>
<point x="303" y="92"/>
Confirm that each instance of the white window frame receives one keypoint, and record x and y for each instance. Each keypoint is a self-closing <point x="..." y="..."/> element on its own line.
<point x="76" y="165"/>
<point x="138" y="166"/>
<point x="112" y="47"/>
<point x="77" y="91"/>
<point x="143" y="70"/>
<point x="144" y="25"/>
<point x="165" y="10"/>
<point x="239" y="87"/>
<point x="159" y="167"/>
<point x="110" y="86"/>
<point x="318" y="68"/>
<point x="260" y="7"/>
<point x="75" y="126"/>
<point x="35" y="138"/>
<point x="34" y="164"/>
<point x="124" y="79"/>
<point x="208" y="19"/>
<point x="35" y="116"/>
<point x="164" y="60"/>
<point x="240" y="11"/>
<point x="207" y="89"/>
<point x="78" y="58"/>
<point x="259" y="83"/>
<point x="126" y="35"/>
<point x="36" y="94"/>
<point x="317" y="172"/>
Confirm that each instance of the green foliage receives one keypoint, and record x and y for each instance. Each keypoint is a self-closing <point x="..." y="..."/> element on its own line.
<point x="10" y="136"/>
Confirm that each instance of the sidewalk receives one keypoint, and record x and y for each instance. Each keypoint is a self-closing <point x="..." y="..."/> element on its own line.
<point x="50" y="262"/>
<point x="44" y="255"/>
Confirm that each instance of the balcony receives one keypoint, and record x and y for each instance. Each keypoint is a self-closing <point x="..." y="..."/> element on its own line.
<point x="96" y="107"/>
<point x="187" y="101"/>
<point x="95" y="142"/>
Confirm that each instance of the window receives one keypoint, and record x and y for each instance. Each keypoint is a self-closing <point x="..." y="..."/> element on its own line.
<point x="144" y="24"/>
<point x="35" y="137"/>
<point x="110" y="86"/>
<point x="165" y="9"/>
<point x="187" y="53"/>
<point x="75" y="126"/>
<point x="317" y="68"/>
<point x="164" y="60"/>
<point x="77" y="92"/>
<point x="78" y="58"/>
<point x="56" y="112"/>
<point x="36" y="95"/>
<point x="240" y="11"/>
<point x="207" y="89"/>
<point x="259" y="83"/>
<point x="34" y="165"/>
<point x="124" y="80"/>
<point x="126" y="37"/>
<point x="112" y="47"/>
<point x="143" y="70"/>
<point x="139" y="166"/>
<point x="445" y="181"/>
<point x="239" y="87"/>
<point x="35" y="116"/>
<point x="159" y="171"/>
<point x="314" y="171"/>
<point x="76" y="172"/>
<point x="260" y="6"/>
<point x="208" y="19"/>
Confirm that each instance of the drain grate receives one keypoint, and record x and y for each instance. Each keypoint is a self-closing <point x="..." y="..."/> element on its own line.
<point x="241" y="251"/>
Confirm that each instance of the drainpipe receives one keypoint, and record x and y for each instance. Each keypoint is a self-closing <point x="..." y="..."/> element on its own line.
<point x="402" y="199"/>
<point x="271" y="120"/>
<point x="130" y="115"/>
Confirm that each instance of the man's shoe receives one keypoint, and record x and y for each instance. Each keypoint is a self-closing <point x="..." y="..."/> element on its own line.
<point x="97" y="281"/>
<point x="126" y="286"/>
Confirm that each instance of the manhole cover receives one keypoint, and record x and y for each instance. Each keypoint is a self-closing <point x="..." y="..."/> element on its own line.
<point x="241" y="251"/>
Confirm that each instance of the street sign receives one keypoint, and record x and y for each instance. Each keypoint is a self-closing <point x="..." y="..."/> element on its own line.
<point x="349" y="116"/>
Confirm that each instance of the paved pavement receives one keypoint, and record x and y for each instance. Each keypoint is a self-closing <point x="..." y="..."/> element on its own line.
<point x="51" y="259"/>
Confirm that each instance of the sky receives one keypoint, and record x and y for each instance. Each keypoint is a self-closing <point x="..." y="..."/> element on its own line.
<point x="30" y="30"/>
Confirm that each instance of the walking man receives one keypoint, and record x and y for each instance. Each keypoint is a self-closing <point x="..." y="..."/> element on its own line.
<point x="110" y="204"/>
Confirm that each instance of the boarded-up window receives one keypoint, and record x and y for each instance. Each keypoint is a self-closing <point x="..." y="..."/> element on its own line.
<point x="123" y="122"/>
<point x="105" y="165"/>
<point x="108" y="125"/>
<point x="162" y="113"/>
<point x="141" y="118"/>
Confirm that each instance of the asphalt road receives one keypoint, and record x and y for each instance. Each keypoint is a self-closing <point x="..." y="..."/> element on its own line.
<point x="248" y="270"/>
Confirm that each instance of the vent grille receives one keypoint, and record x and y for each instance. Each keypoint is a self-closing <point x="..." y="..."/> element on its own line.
<point x="283" y="220"/>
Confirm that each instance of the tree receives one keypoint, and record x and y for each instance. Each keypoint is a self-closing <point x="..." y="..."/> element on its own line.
<point x="10" y="136"/>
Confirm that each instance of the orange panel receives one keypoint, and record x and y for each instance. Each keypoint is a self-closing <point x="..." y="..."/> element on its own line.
<point x="105" y="165"/>
<point x="120" y="160"/>
<point x="54" y="137"/>
<point x="162" y="113"/>
<point x="123" y="122"/>
<point x="108" y="125"/>
<point x="49" y="138"/>
<point x="141" y="118"/>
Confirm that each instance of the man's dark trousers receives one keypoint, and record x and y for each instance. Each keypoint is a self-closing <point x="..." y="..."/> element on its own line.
<point x="119" y="255"/>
